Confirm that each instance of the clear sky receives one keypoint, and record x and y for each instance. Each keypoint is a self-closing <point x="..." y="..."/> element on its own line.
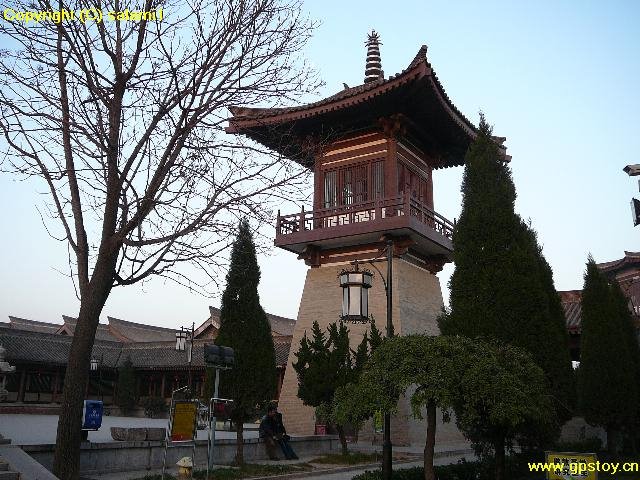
<point x="559" y="79"/>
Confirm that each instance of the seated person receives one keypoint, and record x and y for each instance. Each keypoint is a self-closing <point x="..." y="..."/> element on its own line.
<point x="283" y="439"/>
<point x="268" y="431"/>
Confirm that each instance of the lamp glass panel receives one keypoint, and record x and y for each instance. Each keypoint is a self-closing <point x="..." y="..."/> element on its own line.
<point x="344" y="279"/>
<point x="345" y="301"/>
<point x="354" y="297"/>
<point x="365" y="303"/>
<point x="355" y="278"/>
<point x="367" y="279"/>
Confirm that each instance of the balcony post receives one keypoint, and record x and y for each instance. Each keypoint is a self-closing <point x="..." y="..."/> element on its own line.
<point x="406" y="203"/>
<point x="278" y="223"/>
<point x="302" y="220"/>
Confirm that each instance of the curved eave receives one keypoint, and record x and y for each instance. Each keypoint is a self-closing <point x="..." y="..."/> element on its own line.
<point x="257" y="123"/>
<point x="246" y="118"/>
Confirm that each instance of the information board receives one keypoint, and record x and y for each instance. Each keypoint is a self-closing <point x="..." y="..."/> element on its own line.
<point x="183" y="422"/>
<point x="92" y="414"/>
<point x="572" y="466"/>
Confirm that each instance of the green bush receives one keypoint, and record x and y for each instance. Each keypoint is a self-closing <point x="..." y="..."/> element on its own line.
<point x="516" y="469"/>
<point x="154" y="406"/>
<point x="587" y="445"/>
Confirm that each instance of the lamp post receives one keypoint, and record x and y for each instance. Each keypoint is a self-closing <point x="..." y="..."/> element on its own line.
<point x="184" y="341"/>
<point x="355" y="297"/>
<point x="95" y="366"/>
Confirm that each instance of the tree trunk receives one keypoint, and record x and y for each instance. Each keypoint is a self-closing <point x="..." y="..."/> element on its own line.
<point x="66" y="460"/>
<point x="429" y="472"/>
<point x="613" y="441"/>
<point x="239" y="460"/>
<point x="343" y="439"/>
<point x="498" y="446"/>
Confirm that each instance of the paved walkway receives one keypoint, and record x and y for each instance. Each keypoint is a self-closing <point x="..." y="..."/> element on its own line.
<point x="334" y="472"/>
<point x="24" y="429"/>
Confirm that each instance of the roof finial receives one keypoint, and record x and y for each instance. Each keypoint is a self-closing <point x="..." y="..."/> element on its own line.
<point x="373" y="70"/>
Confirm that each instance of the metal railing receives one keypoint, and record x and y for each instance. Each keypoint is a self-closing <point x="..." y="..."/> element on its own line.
<point x="363" y="212"/>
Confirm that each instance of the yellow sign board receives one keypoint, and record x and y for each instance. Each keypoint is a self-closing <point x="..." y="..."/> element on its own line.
<point x="572" y="466"/>
<point x="183" y="423"/>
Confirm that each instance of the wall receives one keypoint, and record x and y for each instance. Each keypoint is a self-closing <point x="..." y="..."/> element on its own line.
<point x="127" y="456"/>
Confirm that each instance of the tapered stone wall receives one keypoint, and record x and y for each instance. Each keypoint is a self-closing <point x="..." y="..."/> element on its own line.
<point x="417" y="301"/>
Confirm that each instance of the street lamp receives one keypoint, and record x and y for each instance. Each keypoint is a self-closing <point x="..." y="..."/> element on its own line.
<point x="94" y="365"/>
<point x="184" y="341"/>
<point x="355" y="308"/>
<point x="355" y="294"/>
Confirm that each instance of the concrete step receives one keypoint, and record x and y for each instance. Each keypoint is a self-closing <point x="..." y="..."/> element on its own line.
<point x="4" y="466"/>
<point x="9" y="476"/>
<point x="21" y="462"/>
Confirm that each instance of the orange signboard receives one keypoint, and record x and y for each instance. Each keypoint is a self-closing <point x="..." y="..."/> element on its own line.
<point x="183" y="426"/>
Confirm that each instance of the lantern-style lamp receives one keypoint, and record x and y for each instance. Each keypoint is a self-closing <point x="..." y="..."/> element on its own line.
<point x="181" y="341"/>
<point x="355" y="294"/>
<point x="93" y="364"/>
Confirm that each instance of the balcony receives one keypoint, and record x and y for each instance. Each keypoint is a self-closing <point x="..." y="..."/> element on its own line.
<point x="365" y="223"/>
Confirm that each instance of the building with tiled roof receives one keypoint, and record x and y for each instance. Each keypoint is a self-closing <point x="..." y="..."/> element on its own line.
<point x="40" y="351"/>
<point x="626" y="271"/>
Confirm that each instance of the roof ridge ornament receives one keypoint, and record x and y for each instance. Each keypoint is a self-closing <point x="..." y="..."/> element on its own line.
<point x="373" y="69"/>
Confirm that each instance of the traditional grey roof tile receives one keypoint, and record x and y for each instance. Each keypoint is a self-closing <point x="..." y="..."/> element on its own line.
<point x="138" y="332"/>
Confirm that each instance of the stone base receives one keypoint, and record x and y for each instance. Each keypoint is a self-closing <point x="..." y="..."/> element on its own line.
<point x="417" y="302"/>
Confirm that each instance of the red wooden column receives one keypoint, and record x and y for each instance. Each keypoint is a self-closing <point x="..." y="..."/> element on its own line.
<point x="56" y="385"/>
<point x="21" y="388"/>
<point x="391" y="169"/>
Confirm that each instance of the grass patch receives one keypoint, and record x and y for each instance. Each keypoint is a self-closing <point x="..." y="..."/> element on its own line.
<point x="354" y="458"/>
<point x="248" y="470"/>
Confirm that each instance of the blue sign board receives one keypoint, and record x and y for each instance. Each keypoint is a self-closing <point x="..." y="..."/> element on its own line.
<point x="92" y="415"/>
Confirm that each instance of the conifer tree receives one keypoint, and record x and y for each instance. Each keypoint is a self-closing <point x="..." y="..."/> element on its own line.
<point x="126" y="397"/>
<point x="502" y="286"/>
<point x="244" y="326"/>
<point x="608" y="371"/>
<point x="326" y="363"/>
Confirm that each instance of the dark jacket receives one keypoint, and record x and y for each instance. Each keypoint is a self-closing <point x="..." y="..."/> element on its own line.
<point x="268" y="427"/>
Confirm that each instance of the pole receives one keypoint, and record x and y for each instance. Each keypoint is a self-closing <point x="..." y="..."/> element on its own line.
<point x="386" y="443"/>
<point x="191" y="359"/>
<point x="212" y="424"/>
<point x="100" y="379"/>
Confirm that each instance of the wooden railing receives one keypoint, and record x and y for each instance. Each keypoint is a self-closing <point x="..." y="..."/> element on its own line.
<point x="363" y="212"/>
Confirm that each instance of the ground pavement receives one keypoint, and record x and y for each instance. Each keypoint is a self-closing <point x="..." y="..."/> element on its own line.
<point x="25" y="429"/>
<point x="444" y="455"/>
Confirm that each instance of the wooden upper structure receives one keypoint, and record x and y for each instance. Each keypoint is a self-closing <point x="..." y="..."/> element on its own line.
<point x="373" y="149"/>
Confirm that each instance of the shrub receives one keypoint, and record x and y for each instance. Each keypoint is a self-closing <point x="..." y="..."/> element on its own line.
<point x="154" y="406"/>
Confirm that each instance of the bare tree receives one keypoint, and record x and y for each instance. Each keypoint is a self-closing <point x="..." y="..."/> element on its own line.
<point x="124" y="121"/>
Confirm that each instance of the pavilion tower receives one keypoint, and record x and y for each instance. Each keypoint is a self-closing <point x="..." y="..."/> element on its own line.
<point x="373" y="149"/>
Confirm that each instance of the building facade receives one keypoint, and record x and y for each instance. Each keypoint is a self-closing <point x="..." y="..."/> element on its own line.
<point x="39" y="351"/>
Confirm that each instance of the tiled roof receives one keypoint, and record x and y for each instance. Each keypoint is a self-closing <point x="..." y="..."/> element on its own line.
<point x="282" y="352"/>
<point x="138" y="332"/>
<point x="281" y="326"/>
<point x="244" y="113"/>
<point x="102" y="333"/>
<point x="571" y="303"/>
<point x="246" y="118"/>
<point x="51" y="349"/>
<point x="613" y="267"/>
<point x="32" y="325"/>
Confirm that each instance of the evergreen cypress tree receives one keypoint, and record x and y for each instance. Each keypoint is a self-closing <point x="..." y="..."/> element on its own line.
<point x="245" y="328"/>
<point x="502" y="286"/>
<point x="327" y="363"/>
<point x="126" y="389"/>
<point x="608" y="375"/>
<point x="621" y="304"/>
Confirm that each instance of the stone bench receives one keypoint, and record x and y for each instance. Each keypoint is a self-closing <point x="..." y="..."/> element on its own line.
<point x="127" y="434"/>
